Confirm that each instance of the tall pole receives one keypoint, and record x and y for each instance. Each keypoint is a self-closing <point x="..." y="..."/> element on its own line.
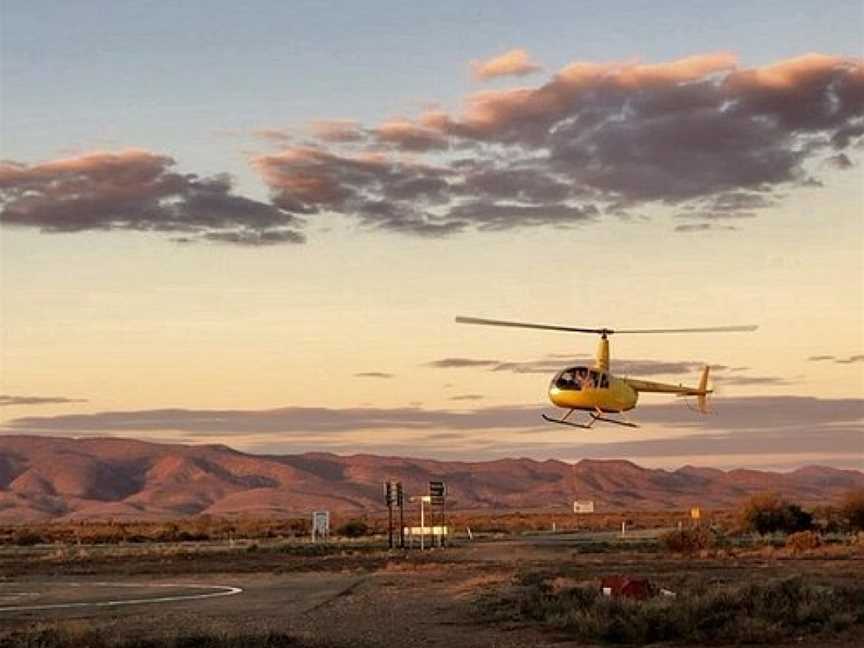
<point x="390" y="523"/>
<point x="443" y="520"/>
<point x="422" y="524"/>
<point x="401" y="523"/>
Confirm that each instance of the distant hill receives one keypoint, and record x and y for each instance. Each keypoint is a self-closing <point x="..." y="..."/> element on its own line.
<point x="43" y="478"/>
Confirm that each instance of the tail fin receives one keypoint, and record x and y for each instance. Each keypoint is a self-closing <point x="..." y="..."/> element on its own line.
<point x="702" y="396"/>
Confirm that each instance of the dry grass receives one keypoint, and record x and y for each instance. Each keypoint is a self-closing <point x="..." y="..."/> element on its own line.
<point x="207" y="528"/>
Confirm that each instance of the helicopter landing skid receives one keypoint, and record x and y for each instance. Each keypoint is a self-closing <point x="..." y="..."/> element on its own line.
<point x="595" y="416"/>
<point x="565" y="422"/>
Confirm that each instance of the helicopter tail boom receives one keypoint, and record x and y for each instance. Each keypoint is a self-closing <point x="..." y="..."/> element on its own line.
<point x="701" y="392"/>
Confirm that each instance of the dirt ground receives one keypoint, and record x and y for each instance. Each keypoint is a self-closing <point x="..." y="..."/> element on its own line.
<point x="353" y="595"/>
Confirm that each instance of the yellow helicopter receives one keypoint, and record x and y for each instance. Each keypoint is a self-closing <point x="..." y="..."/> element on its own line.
<point x="598" y="392"/>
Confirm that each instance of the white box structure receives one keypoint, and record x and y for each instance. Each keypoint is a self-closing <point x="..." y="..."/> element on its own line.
<point x="320" y="525"/>
<point x="583" y="506"/>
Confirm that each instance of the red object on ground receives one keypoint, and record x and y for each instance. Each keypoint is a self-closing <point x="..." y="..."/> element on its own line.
<point x="627" y="587"/>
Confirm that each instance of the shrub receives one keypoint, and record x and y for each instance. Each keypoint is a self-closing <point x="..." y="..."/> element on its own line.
<point x="688" y="541"/>
<point x="803" y="540"/>
<point x="27" y="538"/>
<point x="701" y="613"/>
<point x="852" y="510"/>
<point x="769" y="513"/>
<point x="353" y="529"/>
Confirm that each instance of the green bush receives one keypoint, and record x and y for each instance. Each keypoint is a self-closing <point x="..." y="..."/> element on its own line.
<point x="769" y="513"/>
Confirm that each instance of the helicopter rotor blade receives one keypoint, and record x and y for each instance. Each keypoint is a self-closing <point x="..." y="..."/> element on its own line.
<point x="545" y="327"/>
<point x="708" y="329"/>
<point x="603" y="331"/>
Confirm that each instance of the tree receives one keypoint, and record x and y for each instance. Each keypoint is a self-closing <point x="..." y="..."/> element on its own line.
<point x="768" y="513"/>
<point x="353" y="529"/>
<point x="852" y="509"/>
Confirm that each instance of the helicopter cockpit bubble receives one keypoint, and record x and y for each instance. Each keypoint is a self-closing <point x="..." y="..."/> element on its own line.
<point x="578" y="378"/>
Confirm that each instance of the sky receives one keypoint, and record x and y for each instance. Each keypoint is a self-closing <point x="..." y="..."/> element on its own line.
<point x="254" y="225"/>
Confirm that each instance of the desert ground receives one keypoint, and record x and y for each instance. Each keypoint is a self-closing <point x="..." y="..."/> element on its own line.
<point x="359" y="593"/>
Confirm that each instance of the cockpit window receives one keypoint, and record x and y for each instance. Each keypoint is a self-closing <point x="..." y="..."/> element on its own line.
<point x="578" y="378"/>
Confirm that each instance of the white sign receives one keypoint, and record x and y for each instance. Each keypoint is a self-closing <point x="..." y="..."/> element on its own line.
<point x="427" y="530"/>
<point x="320" y="525"/>
<point x="583" y="506"/>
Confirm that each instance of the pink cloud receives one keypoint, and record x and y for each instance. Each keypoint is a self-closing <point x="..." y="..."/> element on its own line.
<point x="515" y="62"/>
<point x="714" y="139"/>
<point x="135" y="190"/>
<point x="410" y="136"/>
<point x="337" y="130"/>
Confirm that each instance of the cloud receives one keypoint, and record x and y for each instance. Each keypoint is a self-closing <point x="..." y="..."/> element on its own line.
<point x="409" y="136"/>
<point x="515" y="62"/>
<point x="851" y="359"/>
<point x="840" y="161"/>
<point x="373" y="374"/>
<point x="136" y="190"/>
<point x="381" y="191"/>
<point x="752" y="426"/>
<point x="750" y="380"/>
<point x="7" y="401"/>
<point x="703" y="227"/>
<point x="458" y="363"/>
<point x="282" y="421"/>
<point x="275" y="135"/>
<point x="703" y="134"/>
<point x="337" y="130"/>
<point x="467" y="397"/>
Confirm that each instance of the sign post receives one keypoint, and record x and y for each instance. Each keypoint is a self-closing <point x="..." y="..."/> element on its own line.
<point x="583" y="506"/>
<point x="695" y="515"/>
<point x="320" y="525"/>
<point x="393" y="497"/>
<point x="437" y="497"/>
<point x="400" y="500"/>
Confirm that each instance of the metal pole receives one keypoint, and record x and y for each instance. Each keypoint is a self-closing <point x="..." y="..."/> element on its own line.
<point x="401" y="523"/>
<point x="390" y="523"/>
<point x="443" y="519"/>
<point x="422" y="525"/>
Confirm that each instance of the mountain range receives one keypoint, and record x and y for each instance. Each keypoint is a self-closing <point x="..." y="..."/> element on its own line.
<point x="47" y="478"/>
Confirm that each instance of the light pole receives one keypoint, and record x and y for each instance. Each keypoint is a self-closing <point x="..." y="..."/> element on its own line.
<point x="424" y="499"/>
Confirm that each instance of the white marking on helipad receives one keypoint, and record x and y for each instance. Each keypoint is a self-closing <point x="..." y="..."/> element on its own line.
<point x="222" y="590"/>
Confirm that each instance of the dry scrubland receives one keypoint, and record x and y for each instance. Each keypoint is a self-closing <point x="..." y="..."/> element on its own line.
<point x="768" y="572"/>
<point x="207" y="528"/>
<point x="762" y="514"/>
